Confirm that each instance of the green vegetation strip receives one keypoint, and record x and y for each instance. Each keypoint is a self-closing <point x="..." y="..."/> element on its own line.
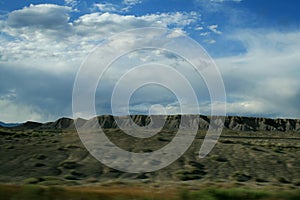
<point x="32" y="192"/>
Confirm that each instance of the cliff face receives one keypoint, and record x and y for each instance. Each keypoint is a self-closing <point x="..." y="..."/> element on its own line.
<point x="173" y="122"/>
<point x="262" y="124"/>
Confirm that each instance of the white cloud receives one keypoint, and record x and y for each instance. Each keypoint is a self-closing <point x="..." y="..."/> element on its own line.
<point x="131" y="2"/>
<point x="46" y="39"/>
<point x="204" y="34"/>
<point x="41" y="39"/>
<point x="97" y="26"/>
<point x="221" y="1"/>
<point x="264" y="80"/>
<point x="106" y="7"/>
<point x="214" y="28"/>
<point x="210" y="41"/>
<point x="71" y="3"/>
<point x="124" y="7"/>
<point x="220" y="7"/>
<point x="176" y="33"/>
<point x="199" y="28"/>
<point x="12" y="112"/>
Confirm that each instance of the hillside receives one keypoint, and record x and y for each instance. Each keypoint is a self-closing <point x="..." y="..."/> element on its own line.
<point x="52" y="153"/>
<point x="172" y="122"/>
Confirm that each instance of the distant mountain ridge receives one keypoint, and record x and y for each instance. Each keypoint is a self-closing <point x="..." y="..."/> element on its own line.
<point x="173" y="122"/>
<point x="3" y="124"/>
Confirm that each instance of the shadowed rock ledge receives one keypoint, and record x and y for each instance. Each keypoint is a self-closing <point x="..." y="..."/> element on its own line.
<point x="173" y="121"/>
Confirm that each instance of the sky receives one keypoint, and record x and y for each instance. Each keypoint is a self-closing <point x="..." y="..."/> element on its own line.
<point x="254" y="43"/>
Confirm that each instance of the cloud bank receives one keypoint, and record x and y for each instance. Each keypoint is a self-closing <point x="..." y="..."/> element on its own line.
<point x="43" y="47"/>
<point x="42" y="51"/>
<point x="265" y="80"/>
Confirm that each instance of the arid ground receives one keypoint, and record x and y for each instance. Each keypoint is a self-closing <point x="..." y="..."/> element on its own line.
<point x="38" y="157"/>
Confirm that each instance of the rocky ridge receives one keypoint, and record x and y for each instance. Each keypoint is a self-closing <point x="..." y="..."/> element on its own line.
<point x="172" y="122"/>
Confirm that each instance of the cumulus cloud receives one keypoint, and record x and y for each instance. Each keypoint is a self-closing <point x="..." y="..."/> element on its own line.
<point x="199" y="28"/>
<point x="210" y="41"/>
<point x="45" y="32"/>
<point x="42" y="48"/>
<point x="106" y="7"/>
<point x="204" y="34"/>
<point x="12" y="112"/>
<point x="37" y="31"/>
<point x="71" y="3"/>
<point x="264" y="80"/>
<point x="47" y="16"/>
<point x="131" y="2"/>
<point x="176" y="33"/>
<point x="104" y="24"/>
<point x="124" y="7"/>
<point x="214" y="28"/>
<point x="143" y="99"/>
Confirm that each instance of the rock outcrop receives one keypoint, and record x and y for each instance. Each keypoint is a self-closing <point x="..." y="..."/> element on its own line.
<point x="172" y="122"/>
<point x="261" y="124"/>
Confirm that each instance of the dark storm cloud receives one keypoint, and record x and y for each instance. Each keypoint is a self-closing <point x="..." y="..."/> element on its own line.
<point x="42" y="49"/>
<point x="44" y="16"/>
<point x="42" y="91"/>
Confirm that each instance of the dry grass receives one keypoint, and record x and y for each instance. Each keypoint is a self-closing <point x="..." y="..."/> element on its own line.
<point x="34" y="192"/>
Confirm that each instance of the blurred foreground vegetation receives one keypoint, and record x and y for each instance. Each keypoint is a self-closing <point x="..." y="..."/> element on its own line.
<point x="32" y="192"/>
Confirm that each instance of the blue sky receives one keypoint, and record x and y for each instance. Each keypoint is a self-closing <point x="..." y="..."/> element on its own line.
<point x="255" y="44"/>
